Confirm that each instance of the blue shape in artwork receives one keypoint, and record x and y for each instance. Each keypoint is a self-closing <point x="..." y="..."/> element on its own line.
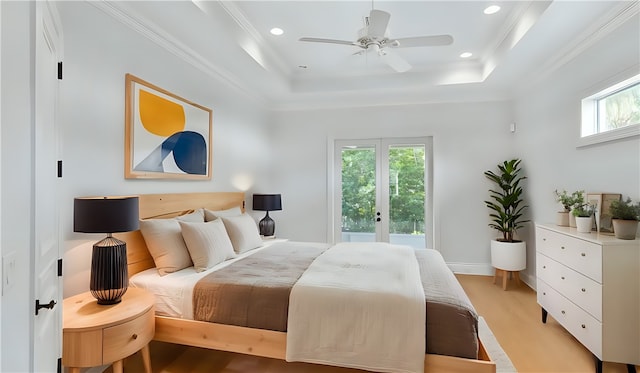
<point x="189" y="154"/>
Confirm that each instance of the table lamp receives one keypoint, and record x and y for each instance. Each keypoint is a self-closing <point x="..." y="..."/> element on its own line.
<point x="109" y="274"/>
<point x="267" y="202"/>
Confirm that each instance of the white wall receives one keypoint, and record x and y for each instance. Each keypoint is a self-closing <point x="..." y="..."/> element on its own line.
<point x="99" y="51"/>
<point x="17" y="179"/>
<point x="548" y="118"/>
<point x="468" y="138"/>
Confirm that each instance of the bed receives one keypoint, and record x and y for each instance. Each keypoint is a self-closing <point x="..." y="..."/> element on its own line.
<point x="271" y="340"/>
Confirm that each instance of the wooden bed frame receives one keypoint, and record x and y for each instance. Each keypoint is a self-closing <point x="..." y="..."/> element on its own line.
<point x="250" y="341"/>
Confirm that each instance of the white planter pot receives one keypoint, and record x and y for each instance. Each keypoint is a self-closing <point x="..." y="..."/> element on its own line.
<point x="562" y="218"/>
<point x="509" y="256"/>
<point x="584" y="225"/>
<point x="625" y="229"/>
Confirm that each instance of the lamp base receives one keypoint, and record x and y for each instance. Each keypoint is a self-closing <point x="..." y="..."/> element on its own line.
<point x="109" y="274"/>
<point x="267" y="226"/>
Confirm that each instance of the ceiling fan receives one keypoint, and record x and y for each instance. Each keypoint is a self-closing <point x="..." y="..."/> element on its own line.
<point x="374" y="37"/>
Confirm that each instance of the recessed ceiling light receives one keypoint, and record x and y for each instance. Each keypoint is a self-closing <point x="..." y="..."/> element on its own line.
<point x="466" y="54"/>
<point x="492" y="9"/>
<point x="276" y="31"/>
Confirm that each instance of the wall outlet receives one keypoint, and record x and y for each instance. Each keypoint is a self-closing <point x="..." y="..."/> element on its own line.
<point x="8" y="272"/>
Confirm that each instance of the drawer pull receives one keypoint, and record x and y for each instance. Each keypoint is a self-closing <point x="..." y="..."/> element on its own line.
<point x="583" y="254"/>
<point x="544" y="267"/>
<point x="583" y="326"/>
<point x="584" y="290"/>
<point x="135" y="336"/>
<point x="562" y="247"/>
<point x="562" y="312"/>
<point x="562" y="277"/>
<point x="544" y="293"/>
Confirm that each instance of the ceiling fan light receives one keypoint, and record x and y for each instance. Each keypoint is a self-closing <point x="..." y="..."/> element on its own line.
<point x="466" y="55"/>
<point x="492" y="9"/>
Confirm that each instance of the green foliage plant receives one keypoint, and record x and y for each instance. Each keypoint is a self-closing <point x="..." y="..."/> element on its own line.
<point x="507" y="205"/>
<point x="565" y="199"/>
<point x="625" y="210"/>
<point x="578" y="198"/>
<point x="584" y="211"/>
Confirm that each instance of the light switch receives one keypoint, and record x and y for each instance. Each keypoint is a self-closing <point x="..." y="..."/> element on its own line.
<point x="8" y="272"/>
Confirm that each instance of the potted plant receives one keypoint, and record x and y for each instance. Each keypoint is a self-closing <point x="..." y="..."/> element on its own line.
<point x="567" y="202"/>
<point x="507" y="252"/>
<point x="584" y="217"/>
<point x="625" y="216"/>
<point x="577" y="198"/>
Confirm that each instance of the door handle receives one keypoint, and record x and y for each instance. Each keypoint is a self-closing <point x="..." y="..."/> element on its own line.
<point x="48" y="306"/>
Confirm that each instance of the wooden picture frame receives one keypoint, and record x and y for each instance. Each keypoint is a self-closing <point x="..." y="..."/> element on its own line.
<point x="166" y="136"/>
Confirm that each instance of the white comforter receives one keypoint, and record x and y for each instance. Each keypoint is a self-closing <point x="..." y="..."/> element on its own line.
<point x="359" y="305"/>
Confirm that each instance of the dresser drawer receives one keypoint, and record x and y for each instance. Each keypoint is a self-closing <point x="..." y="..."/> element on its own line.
<point x="127" y="338"/>
<point x="583" y="256"/>
<point x="581" y="290"/>
<point x="578" y="322"/>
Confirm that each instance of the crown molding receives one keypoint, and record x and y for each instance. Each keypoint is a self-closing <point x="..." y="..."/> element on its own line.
<point x="605" y="25"/>
<point x="241" y="20"/>
<point x="156" y="34"/>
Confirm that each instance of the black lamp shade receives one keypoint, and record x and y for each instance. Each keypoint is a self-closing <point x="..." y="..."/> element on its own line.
<point x="109" y="274"/>
<point x="267" y="202"/>
<point x="105" y="214"/>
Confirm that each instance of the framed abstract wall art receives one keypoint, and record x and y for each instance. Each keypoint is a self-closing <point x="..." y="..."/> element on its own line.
<point x="166" y="136"/>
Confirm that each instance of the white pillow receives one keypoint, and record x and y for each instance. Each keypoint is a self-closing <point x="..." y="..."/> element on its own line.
<point x="208" y="243"/>
<point x="196" y="216"/>
<point x="165" y="244"/>
<point x="210" y="215"/>
<point x="243" y="232"/>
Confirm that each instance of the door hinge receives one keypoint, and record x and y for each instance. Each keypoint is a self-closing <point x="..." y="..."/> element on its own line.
<point x="60" y="267"/>
<point x="60" y="70"/>
<point x="59" y="168"/>
<point x="59" y="365"/>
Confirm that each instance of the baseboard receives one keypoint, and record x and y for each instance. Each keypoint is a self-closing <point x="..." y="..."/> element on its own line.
<point x="485" y="269"/>
<point x="471" y="268"/>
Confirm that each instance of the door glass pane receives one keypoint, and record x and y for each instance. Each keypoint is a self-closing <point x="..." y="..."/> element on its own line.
<point x="407" y="195"/>
<point x="358" y="193"/>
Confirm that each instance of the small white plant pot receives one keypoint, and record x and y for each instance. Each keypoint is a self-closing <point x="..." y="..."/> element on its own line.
<point x="625" y="229"/>
<point x="562" y="219"/>
<point x="584" y="225"/>
<point x="509" y="256"/>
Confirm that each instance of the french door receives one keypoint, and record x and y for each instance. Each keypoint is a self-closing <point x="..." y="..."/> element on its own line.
<point x="383" y="191"/>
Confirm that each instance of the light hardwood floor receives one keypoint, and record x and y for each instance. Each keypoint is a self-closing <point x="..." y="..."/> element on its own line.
<point x="512" y="315"/>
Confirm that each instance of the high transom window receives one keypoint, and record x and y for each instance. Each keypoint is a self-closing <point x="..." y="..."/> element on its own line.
<point x="612" y="113"/>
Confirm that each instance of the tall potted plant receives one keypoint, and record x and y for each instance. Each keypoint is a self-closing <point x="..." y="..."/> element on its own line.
<point x="507" y="208"/>
<point x="625" y="216"/>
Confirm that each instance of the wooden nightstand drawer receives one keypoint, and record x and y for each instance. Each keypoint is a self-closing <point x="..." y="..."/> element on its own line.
<point x="125" y="339"/>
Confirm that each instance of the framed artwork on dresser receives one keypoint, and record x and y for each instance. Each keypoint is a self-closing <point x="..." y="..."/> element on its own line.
<point x="602" y="201"/>
<point x="166" y="136"/>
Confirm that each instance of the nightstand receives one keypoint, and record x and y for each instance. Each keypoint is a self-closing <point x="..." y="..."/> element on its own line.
<point x="270" y="240"/>
<point x="94" y="334"/>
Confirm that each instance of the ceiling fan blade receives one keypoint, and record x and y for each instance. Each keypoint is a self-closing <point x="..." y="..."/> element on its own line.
<point x="394" y="61"/>
<point x="378" y="22"/>
<point x="422" y="41"/>
<point x="329" y="41"/>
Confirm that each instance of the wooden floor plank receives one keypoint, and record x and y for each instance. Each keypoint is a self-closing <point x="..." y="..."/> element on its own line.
<point x="513" y="316"/>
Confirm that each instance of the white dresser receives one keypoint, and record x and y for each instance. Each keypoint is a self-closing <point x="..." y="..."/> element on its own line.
<point x="590" y="284"/>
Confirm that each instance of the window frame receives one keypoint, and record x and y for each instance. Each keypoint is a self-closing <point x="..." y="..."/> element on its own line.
<point x="590" y="115"/>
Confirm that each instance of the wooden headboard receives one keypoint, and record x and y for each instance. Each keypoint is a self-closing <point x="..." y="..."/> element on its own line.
<point x="164" y="206"/>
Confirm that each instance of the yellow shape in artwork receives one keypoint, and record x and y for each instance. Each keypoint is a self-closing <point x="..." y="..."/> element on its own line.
<point x="160" y="116"/>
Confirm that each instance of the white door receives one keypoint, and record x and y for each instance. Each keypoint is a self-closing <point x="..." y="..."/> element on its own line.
<point x="383" y="191"/>
<point x="47" y="323"/>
